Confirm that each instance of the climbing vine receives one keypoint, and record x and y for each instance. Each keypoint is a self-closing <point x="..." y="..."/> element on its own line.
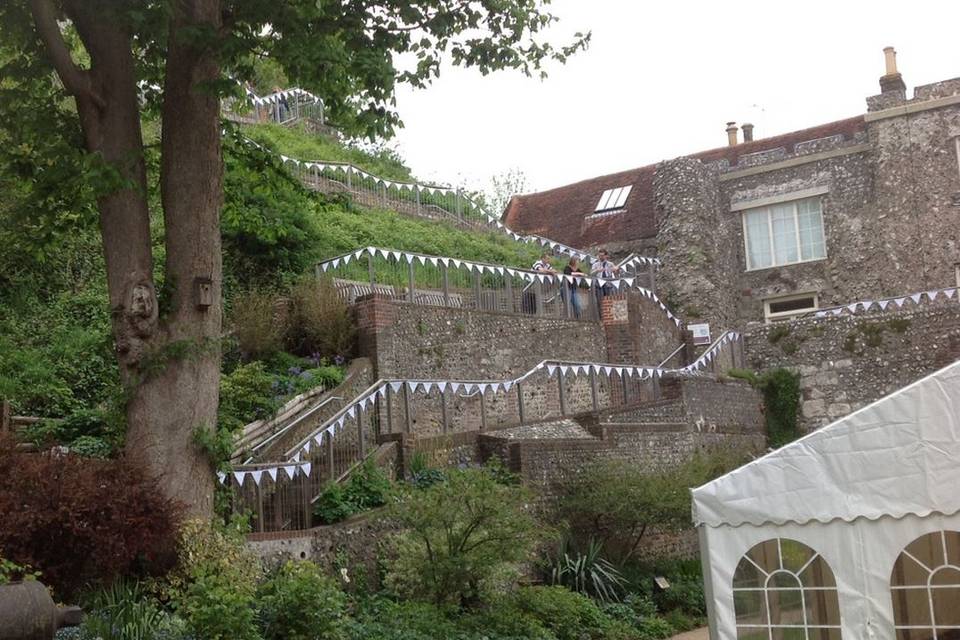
<point x="781" y="397"/>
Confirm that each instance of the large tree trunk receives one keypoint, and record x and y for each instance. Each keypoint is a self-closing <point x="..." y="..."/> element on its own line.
<point x="170" y="365"/>
<point x="182" y="397"/>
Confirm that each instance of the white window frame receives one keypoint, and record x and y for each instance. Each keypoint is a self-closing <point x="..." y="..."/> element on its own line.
<point x="612" y="199"/>
<point x="929" y="588"/>
<point x="774" y="316"/>
<point x="796" y="230"/>
<point x="809" y="629"/>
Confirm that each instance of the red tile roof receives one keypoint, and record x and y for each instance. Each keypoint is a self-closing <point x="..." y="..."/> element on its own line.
<point x="565" y="214"/>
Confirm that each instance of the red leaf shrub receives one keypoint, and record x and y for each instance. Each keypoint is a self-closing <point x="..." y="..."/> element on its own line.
<point x="82" y="521"/>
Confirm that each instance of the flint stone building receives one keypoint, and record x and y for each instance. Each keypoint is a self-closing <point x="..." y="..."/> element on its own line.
<point x="861" y="208"/>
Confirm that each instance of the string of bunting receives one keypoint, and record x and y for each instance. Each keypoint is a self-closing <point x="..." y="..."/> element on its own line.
<point x="273" y="98"/>
<point x="467" y="388"/>
<point x="888" y="303"/>
<point x="491" y="386"/>
<point x="528" y="276"/>
<point x="491" y="220"/>
<point x="291" y="470"/>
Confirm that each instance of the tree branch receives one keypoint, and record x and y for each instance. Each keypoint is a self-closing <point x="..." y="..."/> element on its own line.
<point x="75" y="80"/>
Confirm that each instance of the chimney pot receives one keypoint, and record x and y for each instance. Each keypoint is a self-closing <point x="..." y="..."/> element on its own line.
<point x="732" y="134"/>
<point x="892" y="82"/>
<point x="747" y="132"/>
<point x="890" y="58"/>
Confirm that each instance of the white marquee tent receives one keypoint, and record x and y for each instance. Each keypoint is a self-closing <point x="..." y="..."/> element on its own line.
<point x="852" y="531"/>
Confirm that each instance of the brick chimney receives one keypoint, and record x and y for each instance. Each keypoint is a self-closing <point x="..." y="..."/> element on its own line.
<point x="747" y="132"/>
<point x="892" y="81"/>
<point x="732" y="134"/>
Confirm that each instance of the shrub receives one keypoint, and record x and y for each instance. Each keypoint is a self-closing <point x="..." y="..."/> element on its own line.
<point x="617" y="503"/>
<point x="319" y="320"/>
<point x="82" y="521"/>
<point x="586" y="572"/>
<point x="653" y="628"/>
<point x="258" y="330"/>
<point x="215" y="608"/>
<point x="460" y="536"/>
<point x="214" y="583"/>
<point x="300" y="603"/>
<point x="246" y="394"/>
<point x="569" y="615"/>
<point x="367" y="488"/>
<point x="91" y="447"/>
<point x="383" y="619"/>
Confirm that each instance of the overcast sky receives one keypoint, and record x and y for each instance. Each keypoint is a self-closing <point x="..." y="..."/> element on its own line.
<point x="661" y="79"/>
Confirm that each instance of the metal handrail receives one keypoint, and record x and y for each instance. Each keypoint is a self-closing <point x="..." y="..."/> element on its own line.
<point x="290" y="425"/>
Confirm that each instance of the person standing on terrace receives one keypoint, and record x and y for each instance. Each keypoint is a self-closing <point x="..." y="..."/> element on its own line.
<point x="573" y="269"/>
<point x="603" y="269"/>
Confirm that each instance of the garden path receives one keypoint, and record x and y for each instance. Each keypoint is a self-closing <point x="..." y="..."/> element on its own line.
<point x="697" y="634"/>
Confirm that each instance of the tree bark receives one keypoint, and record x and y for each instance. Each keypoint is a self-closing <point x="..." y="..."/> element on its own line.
<point x="169" y="365"/>
<point x="183" y="396"/>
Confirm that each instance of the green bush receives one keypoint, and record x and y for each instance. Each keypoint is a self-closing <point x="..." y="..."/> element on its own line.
<point x="214" y="584"/>
<point x="569" y="615"/>
<point x="617" y="502"/>
<point x="383" y="619"/>
<point x="215" y="608"/>
<point x="367" y="488"/>
<point x="246" y="394"/>
<point x="300" y="603"/>
<point x="91" y="447"/>
<point x="461" y="537"/>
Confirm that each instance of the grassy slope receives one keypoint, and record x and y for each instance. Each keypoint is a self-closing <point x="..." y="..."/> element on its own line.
<point x="298" y="143"/>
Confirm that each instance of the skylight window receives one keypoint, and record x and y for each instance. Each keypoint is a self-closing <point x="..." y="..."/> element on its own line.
<point x="613" y="198"/>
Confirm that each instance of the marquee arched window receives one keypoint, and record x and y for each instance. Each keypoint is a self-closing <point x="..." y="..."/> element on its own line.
<point x="925" y="587"/>
<point x="784" y="590"/>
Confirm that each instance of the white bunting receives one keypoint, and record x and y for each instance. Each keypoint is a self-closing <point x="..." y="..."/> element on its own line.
<point x="351" y="411"/>
<point x="949" y="292"/>
<point x="240" y="476"/>
<point x="290" y="470"/>
<point x="483" y="388"/>
<point x="916" y="298"/>
<point x="273" y="473"/>
<point x="507" y="385"/>
<point x="932" y="295"/>
<point x="426" y="386"/>
<point x="305" y="469"/>
<point x="563" y="369"/>
<point x="442" y="386"/>
<point x="550" y="369"/>
<point x="899" y="301"/>
<point x="256" y="475"/>
<point x="454" y="386"/>
<point x="221" y="476"/>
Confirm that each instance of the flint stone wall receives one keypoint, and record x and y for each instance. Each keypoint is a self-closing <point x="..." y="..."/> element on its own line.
<point x="849" y="361"/>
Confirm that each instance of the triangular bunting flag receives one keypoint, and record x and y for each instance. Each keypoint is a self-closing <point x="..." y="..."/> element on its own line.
<point x="916" y="298"/>
<point x="240" y="476"/>
<point x="273" y="473"/>
<point x="305" y="469"/>
<point x="221" y="477"/>
<point x="899" y="301"/>
<point x="290" y="470"/>
<point x="256" y="475"/>
<point x="883" y="304"/>
<point x="932" y="295"/>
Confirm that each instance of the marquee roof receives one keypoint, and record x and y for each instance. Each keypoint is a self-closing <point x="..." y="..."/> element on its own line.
<point x="897" y="456"/>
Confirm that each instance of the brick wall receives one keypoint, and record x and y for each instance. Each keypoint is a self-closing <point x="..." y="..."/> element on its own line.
<point x="847" y="362"/>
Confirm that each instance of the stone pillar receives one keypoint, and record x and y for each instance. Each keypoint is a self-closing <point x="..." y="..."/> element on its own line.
<point x="372" y="314"/>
